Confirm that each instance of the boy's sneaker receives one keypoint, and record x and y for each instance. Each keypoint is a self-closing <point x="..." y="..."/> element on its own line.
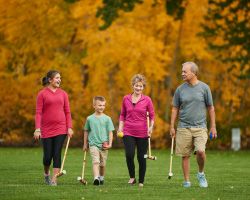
<point x="101" y="182"/>
<point x="47" y="180"/>
<point x="96" y="182"/>
<point x="202" y="180"/>
<point x="186" y="184"/>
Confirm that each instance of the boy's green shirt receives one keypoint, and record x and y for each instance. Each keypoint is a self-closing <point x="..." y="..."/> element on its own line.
<point x="98" y="128"/>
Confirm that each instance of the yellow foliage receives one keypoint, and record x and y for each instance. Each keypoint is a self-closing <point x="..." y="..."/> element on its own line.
<point x="43" y="35"/>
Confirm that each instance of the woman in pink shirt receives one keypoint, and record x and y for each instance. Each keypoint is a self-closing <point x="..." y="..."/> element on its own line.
<point x="133" y="123"/>
<point x="53" y="123"/>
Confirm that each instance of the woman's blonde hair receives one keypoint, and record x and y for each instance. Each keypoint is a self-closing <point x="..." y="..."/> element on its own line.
<point x="138" y="78"/>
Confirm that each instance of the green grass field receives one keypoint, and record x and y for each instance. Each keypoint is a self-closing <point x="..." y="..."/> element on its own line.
<point x="228" y="175"/>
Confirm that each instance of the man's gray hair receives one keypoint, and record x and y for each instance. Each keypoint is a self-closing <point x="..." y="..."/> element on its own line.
<point x="194" y="68"/>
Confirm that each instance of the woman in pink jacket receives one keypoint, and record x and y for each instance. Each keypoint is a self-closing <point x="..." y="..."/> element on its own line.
<point x="133" y="123"/>
<point x="53" y="123"/>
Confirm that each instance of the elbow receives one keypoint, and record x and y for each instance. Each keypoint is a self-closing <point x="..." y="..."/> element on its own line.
<point x="175" y="109"/>
<point x="211" y="108"/>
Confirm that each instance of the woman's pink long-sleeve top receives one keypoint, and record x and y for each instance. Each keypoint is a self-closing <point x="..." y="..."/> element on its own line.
<point x="135" y="116"/>
<point x="53" y="115"/>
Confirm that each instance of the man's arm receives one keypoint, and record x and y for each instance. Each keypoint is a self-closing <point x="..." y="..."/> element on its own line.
<point x="174" y="114"/>
<point x="212" y="121"/>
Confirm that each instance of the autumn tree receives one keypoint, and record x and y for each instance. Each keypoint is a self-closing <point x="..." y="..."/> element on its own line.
<point x="152" y="37"/>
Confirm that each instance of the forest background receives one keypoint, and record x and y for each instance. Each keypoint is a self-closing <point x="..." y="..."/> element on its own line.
<point x="99" y="45"/>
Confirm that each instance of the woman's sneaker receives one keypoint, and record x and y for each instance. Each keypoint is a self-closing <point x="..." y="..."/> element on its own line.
<point x="47" y="180"/>
<point x="132" y="181"/>
<point x="53" y="184"/>
<point x="202" y="180"/>
<point x="186" y="184"/>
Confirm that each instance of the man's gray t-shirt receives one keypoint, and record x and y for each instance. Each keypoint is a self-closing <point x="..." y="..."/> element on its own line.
<point x="192" y="101"/>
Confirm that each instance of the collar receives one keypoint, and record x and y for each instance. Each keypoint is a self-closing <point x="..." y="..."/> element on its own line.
<point x="129" y="97"/>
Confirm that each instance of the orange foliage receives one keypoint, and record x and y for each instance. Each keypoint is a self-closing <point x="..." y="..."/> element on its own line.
<point x="52" y="34"/>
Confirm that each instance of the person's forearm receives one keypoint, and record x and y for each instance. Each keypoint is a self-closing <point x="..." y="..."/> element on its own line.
<point x="85" y="139"/>
<point x="173" y="116"/>
<point x="211" y="112"/>
<point x="121" y="125"/>
<point x="110" y="138"/>
<point x="152" y="124"/>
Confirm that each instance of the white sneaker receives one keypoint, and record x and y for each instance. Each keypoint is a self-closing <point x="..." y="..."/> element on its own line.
<point x="202" y="180"/>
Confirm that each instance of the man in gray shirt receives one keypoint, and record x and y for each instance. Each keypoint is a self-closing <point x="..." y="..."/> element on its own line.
<point x="191" y="101"/>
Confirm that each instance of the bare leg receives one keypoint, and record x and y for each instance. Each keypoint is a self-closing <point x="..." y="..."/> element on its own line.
<point x="55" y="172"/>
<point x="201" y="158"/>
<point x="185" y="167"/>
<point x="46" y="170"/>
<point x="102" y="170"/>
<point x="96" y="170"/>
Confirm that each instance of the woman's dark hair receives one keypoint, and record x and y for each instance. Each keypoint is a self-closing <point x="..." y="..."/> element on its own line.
<point x="50" y="75"/>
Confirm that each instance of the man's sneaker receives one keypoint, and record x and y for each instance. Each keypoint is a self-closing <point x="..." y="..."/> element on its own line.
<point x="202" y="180"/>
<point x="186" y="184"/>
<point x="96" y="182"/>
<point x="47" y="180"/>
<point x="101" y="182"/>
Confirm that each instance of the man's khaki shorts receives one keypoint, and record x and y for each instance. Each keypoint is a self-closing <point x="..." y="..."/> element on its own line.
<point x="186" y="138"/>
<point x="98" y="156"/>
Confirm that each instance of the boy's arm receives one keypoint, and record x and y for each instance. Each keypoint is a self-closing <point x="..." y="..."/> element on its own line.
<point x="85" y="140"/>
<point x="110" y="139"/>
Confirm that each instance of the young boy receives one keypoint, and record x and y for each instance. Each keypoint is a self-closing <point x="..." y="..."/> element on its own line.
<point x="98" y="134"/>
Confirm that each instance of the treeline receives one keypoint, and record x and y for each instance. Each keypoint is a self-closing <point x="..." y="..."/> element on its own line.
<point x="98" y="47"/>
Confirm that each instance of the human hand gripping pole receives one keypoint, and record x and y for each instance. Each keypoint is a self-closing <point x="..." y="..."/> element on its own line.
<point x="62" y="171"/>
<point x="37" y="134"/>
<point x="149" y="156"/>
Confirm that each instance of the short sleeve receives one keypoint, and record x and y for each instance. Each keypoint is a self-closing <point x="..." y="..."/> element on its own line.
<point x="110" y="125"/>
<point x="87" y="125"/>
<point x="208" y="97"/>
<point x="176" y="99"/>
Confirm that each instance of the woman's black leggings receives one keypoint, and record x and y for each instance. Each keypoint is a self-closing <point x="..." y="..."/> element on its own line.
<point x="130" y="143"/>
<point x="52" y="148"/>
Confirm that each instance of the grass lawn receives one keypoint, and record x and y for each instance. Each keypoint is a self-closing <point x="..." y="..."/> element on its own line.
<point x="21" y="177"/>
